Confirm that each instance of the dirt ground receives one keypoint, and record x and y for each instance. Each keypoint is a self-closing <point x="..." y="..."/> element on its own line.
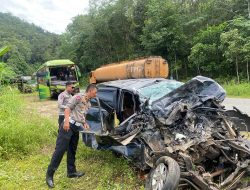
<point x="46" y="108"/>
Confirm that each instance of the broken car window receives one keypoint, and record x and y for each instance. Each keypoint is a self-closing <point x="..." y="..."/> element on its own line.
<point x="158" y="90"/>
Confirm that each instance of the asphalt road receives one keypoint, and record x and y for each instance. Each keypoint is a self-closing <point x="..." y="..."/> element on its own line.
<point x="241" y="103"/>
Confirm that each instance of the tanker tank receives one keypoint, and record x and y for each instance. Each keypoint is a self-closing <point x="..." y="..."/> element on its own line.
<point x="151" y="67"/>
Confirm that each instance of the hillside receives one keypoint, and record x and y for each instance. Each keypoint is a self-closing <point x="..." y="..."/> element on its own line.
<point x="30" y="44"/>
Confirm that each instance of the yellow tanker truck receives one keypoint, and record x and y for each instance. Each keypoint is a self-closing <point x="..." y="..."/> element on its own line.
<point x="151" y="67"/>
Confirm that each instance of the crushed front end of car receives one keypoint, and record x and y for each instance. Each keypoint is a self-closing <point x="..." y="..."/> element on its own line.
<point x="187" y="139"/>
<point x="202" y="137"/>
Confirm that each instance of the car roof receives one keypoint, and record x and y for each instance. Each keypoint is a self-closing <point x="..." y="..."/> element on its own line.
<point x="131" y="84"/>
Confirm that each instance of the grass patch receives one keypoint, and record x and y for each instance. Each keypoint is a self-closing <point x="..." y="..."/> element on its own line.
<point x="21" y="131"/>
<point x="104" y="171"/>
<point x="241" y="90"/>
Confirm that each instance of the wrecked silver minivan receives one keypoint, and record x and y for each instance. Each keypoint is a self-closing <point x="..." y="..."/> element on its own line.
<point x="179" y="133"/>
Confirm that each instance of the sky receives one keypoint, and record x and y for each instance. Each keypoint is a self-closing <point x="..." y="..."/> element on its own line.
<point x="51" y="15"/>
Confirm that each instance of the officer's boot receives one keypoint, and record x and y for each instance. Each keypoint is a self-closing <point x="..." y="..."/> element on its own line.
<point x="49" y="178"/>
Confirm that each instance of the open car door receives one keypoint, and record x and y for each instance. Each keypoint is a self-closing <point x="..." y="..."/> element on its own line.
<point x="100" y="116"/>
<point x="94" y="118"/>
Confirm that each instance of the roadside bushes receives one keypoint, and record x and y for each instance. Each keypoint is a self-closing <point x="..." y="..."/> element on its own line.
<point x="21" y="131"/>
<point x="241" y="90"/>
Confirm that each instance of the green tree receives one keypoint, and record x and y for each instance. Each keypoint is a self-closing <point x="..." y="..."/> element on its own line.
<point x="104" y="35"/>
<point x="206" y="56"/>
<point x="232" y="43"/>
<point x="199" y="57"/>
<point x="246" y="51"/>
<point x="4" y="50"/>
<point x="163" y="33"/>
<point x="6" y="72"/>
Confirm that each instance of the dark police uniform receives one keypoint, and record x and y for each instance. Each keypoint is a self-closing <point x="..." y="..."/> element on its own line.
<point x="68" y="141"/>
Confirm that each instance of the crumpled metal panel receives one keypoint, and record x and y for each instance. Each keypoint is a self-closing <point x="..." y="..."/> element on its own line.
<point x="193" y="93"/>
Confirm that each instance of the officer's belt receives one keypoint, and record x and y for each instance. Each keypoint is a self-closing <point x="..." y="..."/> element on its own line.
<point x="75" y="122"/>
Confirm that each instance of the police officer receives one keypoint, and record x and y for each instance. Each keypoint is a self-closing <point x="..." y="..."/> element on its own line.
<point x="63" y="100"/>
<point x="68" y="136"/>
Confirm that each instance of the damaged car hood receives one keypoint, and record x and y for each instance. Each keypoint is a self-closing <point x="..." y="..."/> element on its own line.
<point x="191" y="94"/>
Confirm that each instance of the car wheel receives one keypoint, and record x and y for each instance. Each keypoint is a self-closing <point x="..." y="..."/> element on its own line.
<point x="165" y="175"/>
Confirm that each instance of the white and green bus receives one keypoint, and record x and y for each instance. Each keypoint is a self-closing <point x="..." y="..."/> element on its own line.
<point x="53" y="75"/>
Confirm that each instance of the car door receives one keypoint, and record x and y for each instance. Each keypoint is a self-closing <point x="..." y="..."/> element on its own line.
<point x="100" y="114"/>
<point x="94" y="117"/>
<point x="108" y="97"/>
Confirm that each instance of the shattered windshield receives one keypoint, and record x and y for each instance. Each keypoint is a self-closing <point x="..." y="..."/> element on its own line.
<point x="159" y="89"/>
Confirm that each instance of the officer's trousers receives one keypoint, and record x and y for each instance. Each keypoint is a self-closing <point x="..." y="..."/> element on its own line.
<point x="66" y="141"/>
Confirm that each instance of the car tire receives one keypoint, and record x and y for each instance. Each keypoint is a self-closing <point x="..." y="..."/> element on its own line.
<point x="164" y="176"/>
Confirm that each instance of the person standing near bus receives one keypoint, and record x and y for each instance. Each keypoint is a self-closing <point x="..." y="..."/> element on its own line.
<point x="63" y="100"/>
<point x="68" y="136"/>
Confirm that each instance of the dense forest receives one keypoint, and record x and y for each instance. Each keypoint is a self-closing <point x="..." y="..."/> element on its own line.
<point x="197" y="37"/>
